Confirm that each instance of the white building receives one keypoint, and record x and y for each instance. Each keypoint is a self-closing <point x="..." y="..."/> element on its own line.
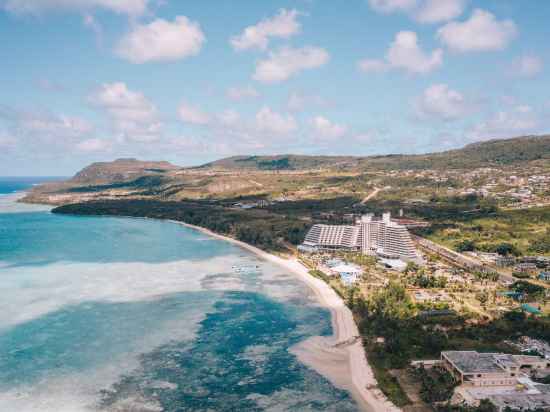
<point x="369" y="235"/>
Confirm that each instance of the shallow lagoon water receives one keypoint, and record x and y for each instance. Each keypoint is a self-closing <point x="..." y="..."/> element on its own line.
<point x="121" y="314"/>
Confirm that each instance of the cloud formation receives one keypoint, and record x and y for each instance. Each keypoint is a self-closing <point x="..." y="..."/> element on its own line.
<point x="298" y="101"/>
<point x="242" y="93"/>
<point x="327" y="129"/>
<point x="162" y="40"/>
<point x="406" y="54"/>
<point x="129" y="7"/>
<point x="435" y="11"/>
<point x="269" y="121"/>
<point x="423" y="11"/>
<point x="283" y="25"/>
<point x="391" y="6"/>
<point x="441" y="103"/>
<point x="521" y="119"/>
<point x="481" y="32"/>
<point x="287" y="62"/>
<point x="133" y="116"/>
<point x="94" y="145"/>
<point x="193" y="115"/>
<point x="527" y="66"/>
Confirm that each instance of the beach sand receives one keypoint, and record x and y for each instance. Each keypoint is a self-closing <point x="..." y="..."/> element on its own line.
<point x="346" y="365"/>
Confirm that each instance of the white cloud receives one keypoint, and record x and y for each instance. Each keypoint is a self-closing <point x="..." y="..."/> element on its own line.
<point x="269" y="121"/>
<point x="527" y="66"/>
<point x="162" y="40"/>
<point x="296" y="102"/>
<point x="94" y="145"/>
<point x="390" y="6"/>
<point x="55" y="125"/>
<point x="283" y="25"/>
<point x="299" y="101"/>
<point x="423" y="11"/>
<point x="524" y="109"/>
<point x="520" y="120"/>
<point x="440" y="102"/>
<point x="39" y="132"/>
<point x="133" y="115"/>
<point x="405" y="53"/>
<point x="435" y="11"/>
<point x="7" y="142"/>
<point x="287" y="62"/>
<point x="229" y="117"/>
<point x="327" y="129"/>
<point x="129" y="7"/>
<point x="242" y="93"/>
<point x="373" y="66"/>
<point x="192" y="114"/>
<point x="481" y="32"/>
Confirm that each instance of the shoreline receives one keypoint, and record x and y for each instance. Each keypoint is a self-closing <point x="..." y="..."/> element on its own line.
<point x="345" y="366"/>
<point x="319" y="353"/>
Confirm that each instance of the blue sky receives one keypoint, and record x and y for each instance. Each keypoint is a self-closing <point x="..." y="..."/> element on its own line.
<point x="189" y="82"/>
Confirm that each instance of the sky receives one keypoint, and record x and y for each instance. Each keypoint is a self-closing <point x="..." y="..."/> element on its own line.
<point x="197" y="80"/>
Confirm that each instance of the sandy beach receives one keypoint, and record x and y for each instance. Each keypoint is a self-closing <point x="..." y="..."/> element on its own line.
<point x="345" y="365"/>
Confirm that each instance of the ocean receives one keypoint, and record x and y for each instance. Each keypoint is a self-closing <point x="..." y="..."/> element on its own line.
<point x="115" y="314"/>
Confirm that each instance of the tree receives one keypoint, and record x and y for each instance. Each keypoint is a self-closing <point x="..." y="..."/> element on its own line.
<point x="506" y="249"/>
<point x="483" y="297"/>
<point x="466" y="245"/>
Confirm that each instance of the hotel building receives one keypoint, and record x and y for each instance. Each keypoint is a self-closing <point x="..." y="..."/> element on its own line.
<point x="369" y="235"/>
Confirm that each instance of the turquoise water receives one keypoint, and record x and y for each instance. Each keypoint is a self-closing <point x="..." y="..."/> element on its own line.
<point x="12" y="184"/>
<point x="108" y="314"/>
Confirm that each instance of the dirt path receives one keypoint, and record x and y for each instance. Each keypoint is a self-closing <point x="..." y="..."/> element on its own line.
<point x="372" y="195"/>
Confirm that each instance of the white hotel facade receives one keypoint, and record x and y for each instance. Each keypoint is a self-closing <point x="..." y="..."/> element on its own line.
<point x="369" y="235"/>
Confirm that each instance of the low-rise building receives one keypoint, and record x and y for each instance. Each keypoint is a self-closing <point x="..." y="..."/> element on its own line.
<point x="525" y="267"/>
<point x="504" y="261"/>
<point x="349" y="274"/>
<point x="499" y="378"/>
<point x="472" y="368"/>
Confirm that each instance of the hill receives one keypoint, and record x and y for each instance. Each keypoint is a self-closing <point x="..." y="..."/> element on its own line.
<point x="485" y="154"/>
<point x="120" y="170"/>
<point x="281" y="162"/>
<point x="302" y="177"/>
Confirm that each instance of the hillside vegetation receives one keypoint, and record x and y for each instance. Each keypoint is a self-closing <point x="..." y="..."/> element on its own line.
<point x="484" y="154"/>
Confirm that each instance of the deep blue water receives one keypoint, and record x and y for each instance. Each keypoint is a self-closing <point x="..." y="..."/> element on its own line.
<point x="113" y="314"/>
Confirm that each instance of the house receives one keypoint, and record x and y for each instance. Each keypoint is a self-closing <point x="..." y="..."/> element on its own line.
<point x="525" y="268"/>
<point x="504" y="261"/>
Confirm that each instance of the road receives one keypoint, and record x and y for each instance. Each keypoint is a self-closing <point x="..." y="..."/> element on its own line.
<point x="458" y="259"/>
<point x="372" y="195"/>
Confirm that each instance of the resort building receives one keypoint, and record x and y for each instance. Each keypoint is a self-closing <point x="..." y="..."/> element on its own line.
<point x="382" y="237"/>
<point x="472" y="368"/>
<point x="499" y="378"/>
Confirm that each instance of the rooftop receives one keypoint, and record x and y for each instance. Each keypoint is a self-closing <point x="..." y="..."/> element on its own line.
<point x="469" y="362"/>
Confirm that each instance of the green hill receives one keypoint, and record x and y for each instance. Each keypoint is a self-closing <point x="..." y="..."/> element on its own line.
<point x="281" y="162"/>
<point x="485" y="154"/>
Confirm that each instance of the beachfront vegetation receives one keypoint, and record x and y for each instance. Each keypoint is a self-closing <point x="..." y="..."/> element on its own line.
<point x="258" y="227"/>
